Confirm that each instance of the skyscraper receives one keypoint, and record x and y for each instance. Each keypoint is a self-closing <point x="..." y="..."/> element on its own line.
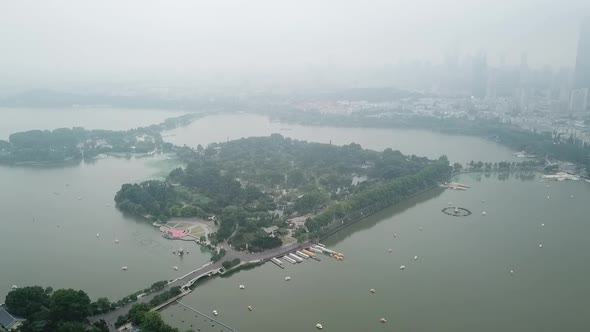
<point x="582" y="71"/>
<point x="479" y="76"/>
<point x="580" y="94"/>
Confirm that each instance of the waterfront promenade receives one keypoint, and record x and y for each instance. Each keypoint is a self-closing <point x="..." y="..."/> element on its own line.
<point x="190" y="278"/>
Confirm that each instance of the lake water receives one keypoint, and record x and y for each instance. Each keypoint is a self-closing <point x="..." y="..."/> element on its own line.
<point x="461" y="281"/>
<point x="49" y="237"/>
<point x="22" y="119"/>
<point x="219" y="128"/>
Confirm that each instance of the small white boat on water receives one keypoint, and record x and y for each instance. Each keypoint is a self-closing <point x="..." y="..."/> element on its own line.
<point x="175" y="268"/>
<point x="319" y="326"/>
<point x="372" y="290"/>
<point x="14" y="286"/>
<point x="215" y="313"/>
<point x="124" y="268"/>
<point x="540" y="245"/>
<point x="403" y="267"/>
<point x="483" y="213"/>
<point x="97" y="235"/>
<point x="287" y="278"/>
<point x="415" y="258"/>
<point x="242" y="286"/>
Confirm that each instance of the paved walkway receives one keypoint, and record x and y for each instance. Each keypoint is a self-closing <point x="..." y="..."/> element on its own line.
<point x="111" y="317"/>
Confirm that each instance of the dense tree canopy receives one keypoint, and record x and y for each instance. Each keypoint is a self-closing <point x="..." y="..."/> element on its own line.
<point x="64" y="310"/>
<point x="244" y="182"/>
<point x="27" y="301"/>
<point x="69" y="305"/>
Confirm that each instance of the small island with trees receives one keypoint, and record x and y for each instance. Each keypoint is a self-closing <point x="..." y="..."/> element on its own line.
<point x="72" y="145"/>
<point x="297" y="189"/>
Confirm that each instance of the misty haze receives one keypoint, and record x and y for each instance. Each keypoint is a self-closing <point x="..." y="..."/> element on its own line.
<point x="294" y="165"/>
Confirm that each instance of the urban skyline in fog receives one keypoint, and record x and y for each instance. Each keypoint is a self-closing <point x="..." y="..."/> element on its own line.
<point x="229" y="42"/>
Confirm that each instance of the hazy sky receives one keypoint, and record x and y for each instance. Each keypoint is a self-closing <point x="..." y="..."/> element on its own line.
<point x="76" y="40"/>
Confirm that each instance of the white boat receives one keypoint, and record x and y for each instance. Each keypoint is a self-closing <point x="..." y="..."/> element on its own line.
<point x="302" y="255"/>
<point x="116" y="241"/>
<point x="415" y="258"/>
<point x="242" y="286"/>
<point x="289" y="259"/>
<point x="403" y="267"/>
<point x="319" y="326"/>
<point x="175" y="268"/>
<point x="124" y="268"/>
<point x="561" y="176"/>
<point x="215" y="313"/>
<point x="316" y="250"/>
<point x="14" y="286"/>
<point x="483" y="213"/>
<point x="287" y="278"/>
<point x="296" y="258"/>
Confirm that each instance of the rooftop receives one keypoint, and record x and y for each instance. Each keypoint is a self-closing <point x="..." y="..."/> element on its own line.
<point x="8" y="320"/>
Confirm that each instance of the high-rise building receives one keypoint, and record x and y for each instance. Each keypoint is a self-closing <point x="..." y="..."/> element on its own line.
<point x="579" y="100"/>
<point x="582" y="70"/>
<point x="479" y="76"/>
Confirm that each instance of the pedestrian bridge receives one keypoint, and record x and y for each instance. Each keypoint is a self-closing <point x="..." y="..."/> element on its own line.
<point x="206" y="274"/>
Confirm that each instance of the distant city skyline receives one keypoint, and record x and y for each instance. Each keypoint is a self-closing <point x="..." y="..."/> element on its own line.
<point x="48" y="43"/>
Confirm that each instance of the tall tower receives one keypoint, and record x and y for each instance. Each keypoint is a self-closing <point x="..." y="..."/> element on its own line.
<point x="580" y="95"/>
<point x="582" y="71"/>
<point x="479" y="76"/>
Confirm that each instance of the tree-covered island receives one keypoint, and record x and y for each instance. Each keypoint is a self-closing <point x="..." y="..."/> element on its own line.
<point x="304" y="189"/>
<point x="76" y="144"/>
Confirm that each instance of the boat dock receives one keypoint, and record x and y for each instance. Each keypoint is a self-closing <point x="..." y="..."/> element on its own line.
<point x="277" y="262"/>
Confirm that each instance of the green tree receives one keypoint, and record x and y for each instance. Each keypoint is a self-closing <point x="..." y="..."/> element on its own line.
<point x="71" y="327"/>
<point x="152" y="322"/>
<point x="26" y="301"/>
<point x="101" y="305"/>
<point x="137" y="312"/>
<point x="69" y="305"/>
